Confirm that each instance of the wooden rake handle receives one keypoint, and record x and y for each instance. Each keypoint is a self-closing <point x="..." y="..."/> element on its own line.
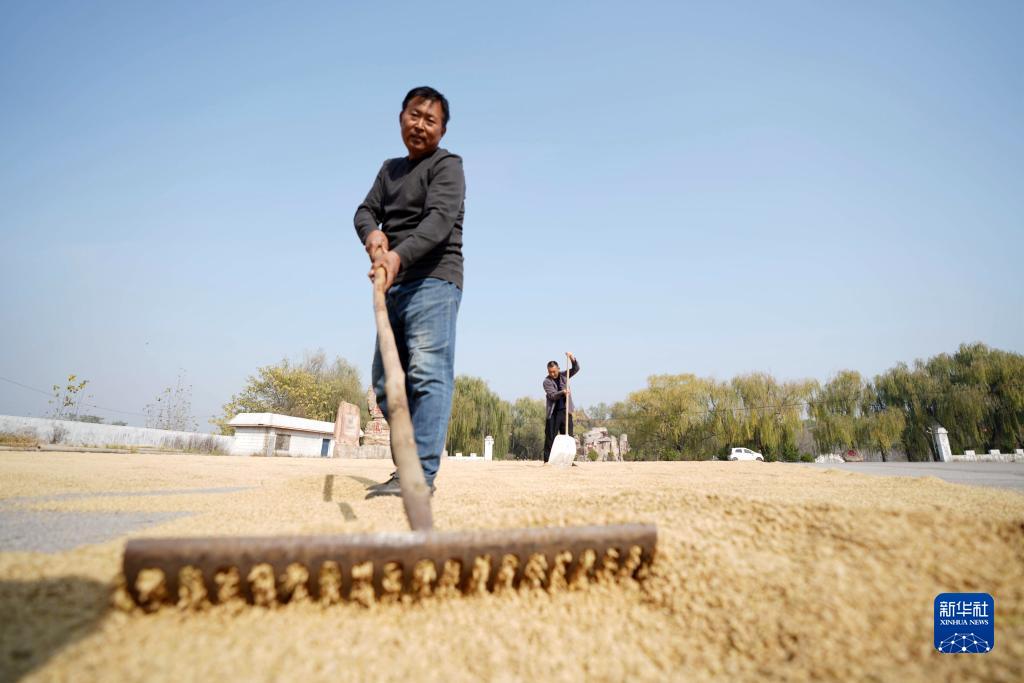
<point x="415" y="494"/>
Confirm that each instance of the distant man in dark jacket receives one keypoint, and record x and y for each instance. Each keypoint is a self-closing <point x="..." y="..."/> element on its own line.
<point x="559" y="400"/>
<point x="411" y="225"/>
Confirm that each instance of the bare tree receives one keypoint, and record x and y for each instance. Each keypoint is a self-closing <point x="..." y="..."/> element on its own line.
<point x="172" y="408"/>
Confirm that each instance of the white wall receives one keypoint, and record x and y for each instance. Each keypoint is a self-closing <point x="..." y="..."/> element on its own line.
<point x="991" y="456"/>
<point x="249" y="441"/>
<point x="262" y="441"/>
<point x="99" y="435"/>
<point x="304" y="444"/>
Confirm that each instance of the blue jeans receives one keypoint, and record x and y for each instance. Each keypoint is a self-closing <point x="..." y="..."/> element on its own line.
<point x="422" y="315"/>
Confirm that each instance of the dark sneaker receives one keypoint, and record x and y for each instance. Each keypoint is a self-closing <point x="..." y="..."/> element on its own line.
<point x="392" y="478"/>
<point x="392" y="487"/>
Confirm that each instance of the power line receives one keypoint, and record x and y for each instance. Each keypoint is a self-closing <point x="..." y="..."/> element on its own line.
<point x="774" y="406"/>
<point x="25" y="386"/>
<point x="85" y="404"/>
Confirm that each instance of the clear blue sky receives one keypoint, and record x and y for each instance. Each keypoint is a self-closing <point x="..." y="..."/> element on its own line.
<point x="709" y="187"/>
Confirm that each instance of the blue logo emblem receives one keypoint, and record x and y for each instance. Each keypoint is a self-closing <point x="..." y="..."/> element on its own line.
<point x="965" y="623"/>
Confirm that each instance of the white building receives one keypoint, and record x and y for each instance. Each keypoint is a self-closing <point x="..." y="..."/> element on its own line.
<point x="273" y="434"/>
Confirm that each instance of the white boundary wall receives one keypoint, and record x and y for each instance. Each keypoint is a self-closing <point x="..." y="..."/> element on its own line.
<point x="991" y="456"/>
<point x="73" y="433"/>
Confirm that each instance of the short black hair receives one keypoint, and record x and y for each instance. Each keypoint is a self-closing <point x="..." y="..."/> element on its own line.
<point x="430" y="95"/>
<point x="552" y="364"/>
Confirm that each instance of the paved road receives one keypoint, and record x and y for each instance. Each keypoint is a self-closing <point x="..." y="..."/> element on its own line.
<point x="1003" y="475"/>
<point x="23" y="529"/>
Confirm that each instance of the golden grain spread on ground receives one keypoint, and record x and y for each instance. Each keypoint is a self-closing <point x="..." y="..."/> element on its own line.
<point x="764" y="571"/>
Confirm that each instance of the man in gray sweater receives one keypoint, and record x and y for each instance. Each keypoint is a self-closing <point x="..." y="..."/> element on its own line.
<point x="411" y="225"/>
<point x="558" y="402"/>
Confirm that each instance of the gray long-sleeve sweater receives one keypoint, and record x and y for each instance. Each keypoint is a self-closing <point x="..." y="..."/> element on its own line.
<point x="419" y="205"/>
<point x="554" y="390"/>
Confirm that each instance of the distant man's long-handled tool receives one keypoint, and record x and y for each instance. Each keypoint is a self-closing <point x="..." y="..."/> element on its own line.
<point x="565" y="547"/>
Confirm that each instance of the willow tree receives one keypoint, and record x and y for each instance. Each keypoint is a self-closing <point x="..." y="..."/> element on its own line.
<point x="668" y="420"/>
<point x="526" y="433"/>
<point x="881" y="426"/>
<point x="976" y="393"/>
<point x="771" y="414"/>
<point x="726" y="422"/>
<point x="836" y="409"/>
<point x="913" y="393"/>
<point x="980" y="396"/>
<point x="477" y="412"/>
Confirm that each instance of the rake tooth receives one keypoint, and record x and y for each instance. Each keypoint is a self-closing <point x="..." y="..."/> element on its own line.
<point x="585" y="566"/>
<point x="131" y="580"/>
<point x="282" y="591"/>
<point x="465" y="582"/>
<point x="313" y="579"/>
<point x="408" y="567"/>
<point x="521" y="562"/>
<point x="549" y="567"/>
<point x="210" y="584"/>
<point x="571" y="565"/>
<point x="345" y="589"/>
<point x="552" y="568"/>
<point x="172" y="582"/>
<point x="244" y="582"/>
<point x="439" y="570"/>
<point x="493" y="569"/>
<point x="610" y="559"/>
<point x="646" y="559"/>
<point x="378" y="577"/>
<point x="623" y="570"/>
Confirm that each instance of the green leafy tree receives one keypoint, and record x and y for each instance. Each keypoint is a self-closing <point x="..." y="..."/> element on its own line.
<point x="526" y="438"/>
<point x="477" y="412"/>
<point x="311" y="388"/>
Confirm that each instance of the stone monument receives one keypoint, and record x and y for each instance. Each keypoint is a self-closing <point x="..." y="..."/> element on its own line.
<point x="346" y="425"/>
<point x="377" y="432"/>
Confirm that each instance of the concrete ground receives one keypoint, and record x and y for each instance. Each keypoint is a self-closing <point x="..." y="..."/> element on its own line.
<point x="1002" y="475"/>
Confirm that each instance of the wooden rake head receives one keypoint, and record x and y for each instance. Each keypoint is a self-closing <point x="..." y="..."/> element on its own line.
<point x="564" y="550"/>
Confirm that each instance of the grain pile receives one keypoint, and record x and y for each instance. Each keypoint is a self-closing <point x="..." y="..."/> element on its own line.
<point x="765" y="571"/>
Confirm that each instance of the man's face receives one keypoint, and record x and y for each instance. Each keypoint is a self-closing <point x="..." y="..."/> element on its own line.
<point x="553" y="372"/>
<point x="422" y="124"/>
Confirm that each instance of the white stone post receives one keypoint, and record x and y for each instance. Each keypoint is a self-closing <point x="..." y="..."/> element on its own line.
<point x="942" y="444"/>
<point x="488" y="447"/>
